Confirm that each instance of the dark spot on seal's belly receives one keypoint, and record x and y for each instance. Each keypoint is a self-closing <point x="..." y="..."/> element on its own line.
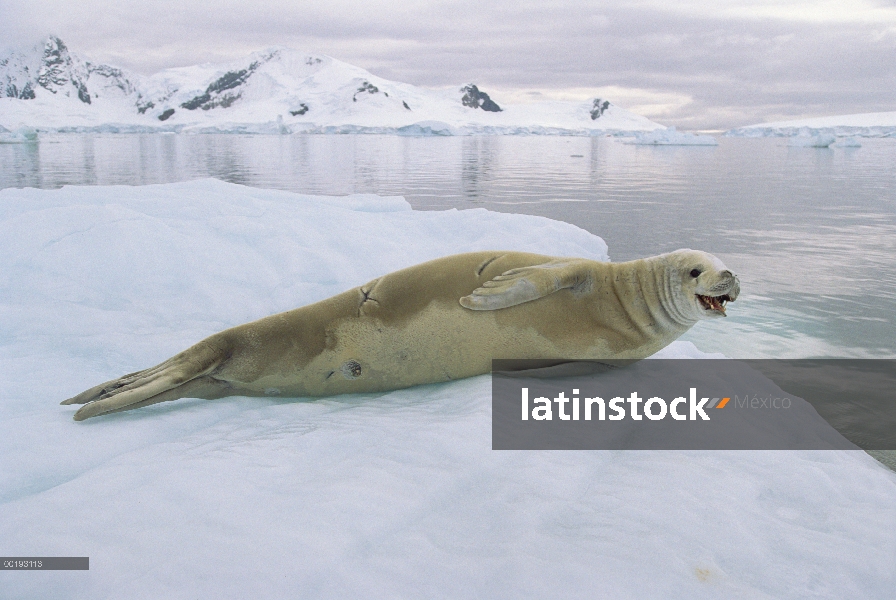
<point x="351" y="369"/>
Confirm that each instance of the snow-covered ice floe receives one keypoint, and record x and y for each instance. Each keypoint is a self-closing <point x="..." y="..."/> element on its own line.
<point x="394" y="494"/>
<point x="671" y="137"/>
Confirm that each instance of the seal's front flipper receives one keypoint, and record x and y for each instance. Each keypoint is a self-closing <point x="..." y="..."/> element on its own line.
<point x="525" y="284"/>
<point x="134" y="389"/>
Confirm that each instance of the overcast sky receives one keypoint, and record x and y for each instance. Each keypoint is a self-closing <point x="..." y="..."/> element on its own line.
<point x="697" y="64"/>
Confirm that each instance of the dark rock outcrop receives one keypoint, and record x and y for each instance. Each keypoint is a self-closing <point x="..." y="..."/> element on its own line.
<point x="217" y="94"/>
<point x="83" y="94"/>
<point x="55" y="66"/>
<point x="475" y="99"/>
<point x="598" y="108"/>
<point x="13" y="91"/>
<point x="365" y="87"/>
<point x="113" y="75"/>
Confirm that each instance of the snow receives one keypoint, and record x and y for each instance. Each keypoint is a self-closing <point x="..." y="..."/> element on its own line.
<point x="378" y="495"/>
<point x="881" y="124"/>
<point x="671" y="137"/>
<point x="327" y="96"/>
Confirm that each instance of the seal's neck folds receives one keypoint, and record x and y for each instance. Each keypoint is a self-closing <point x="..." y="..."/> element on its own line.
<point x="673" y="309"/>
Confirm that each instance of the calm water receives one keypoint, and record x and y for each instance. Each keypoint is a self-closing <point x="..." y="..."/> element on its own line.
<point x="811" y="232"/>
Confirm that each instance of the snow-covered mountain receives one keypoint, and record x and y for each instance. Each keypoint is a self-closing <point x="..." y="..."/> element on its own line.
<point x="881" y="124"/>
<point x="278" y="90"/>
<point x="50" y="67"/>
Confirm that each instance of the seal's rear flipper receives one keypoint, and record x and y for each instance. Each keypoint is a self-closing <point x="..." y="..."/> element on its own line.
<point x="203" y="388"/>
<point x="170" y="380"/>
<point x="97" y="391"/>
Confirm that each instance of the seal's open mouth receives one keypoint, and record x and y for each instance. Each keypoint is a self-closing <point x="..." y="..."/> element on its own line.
<point x="716" y="303"/>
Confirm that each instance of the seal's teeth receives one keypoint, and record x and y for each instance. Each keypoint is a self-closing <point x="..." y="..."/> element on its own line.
<point x="716" y="303"/>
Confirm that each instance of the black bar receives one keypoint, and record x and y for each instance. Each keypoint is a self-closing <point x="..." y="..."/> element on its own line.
<point x="45" y="563"/>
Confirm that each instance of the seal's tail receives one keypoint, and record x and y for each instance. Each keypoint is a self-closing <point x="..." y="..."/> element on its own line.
<point x="185" y="374"/>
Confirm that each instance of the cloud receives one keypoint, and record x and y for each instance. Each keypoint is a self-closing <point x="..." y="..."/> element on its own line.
<point x="694" y="64"/>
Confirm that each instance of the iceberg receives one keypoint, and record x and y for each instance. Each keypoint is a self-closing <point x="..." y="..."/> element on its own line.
<point x="811" y="141"/>
<point x="671" y="137"/>
<point x="395" y="494"/>
<point x="18" y="136"/>
<point x="427" y="128"/>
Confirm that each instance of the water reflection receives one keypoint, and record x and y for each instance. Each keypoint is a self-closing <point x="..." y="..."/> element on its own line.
<point x="478" y="157"/>
<point x="811" y="232"/>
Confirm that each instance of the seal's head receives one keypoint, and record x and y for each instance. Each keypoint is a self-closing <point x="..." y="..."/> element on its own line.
<point x="706" y="282"/>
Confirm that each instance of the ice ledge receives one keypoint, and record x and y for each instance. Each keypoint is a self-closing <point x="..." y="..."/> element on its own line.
<point x="420" y="129"/>
<point x="867" y="131"/>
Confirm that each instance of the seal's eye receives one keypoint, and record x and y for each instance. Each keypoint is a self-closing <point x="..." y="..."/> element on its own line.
<point x="695" y="272"/>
